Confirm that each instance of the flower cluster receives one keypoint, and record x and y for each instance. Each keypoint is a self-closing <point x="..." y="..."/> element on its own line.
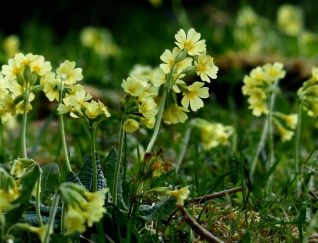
<point x="308" y="94"/>
<point x="82" y="207"/>
<point x="145" y="87"/>
<point x="259" y="84"/>
<point x="76" y="101"/>
<point x="150" y="167"/>
<point x="213" y="134"/>
<point x="187" y="58"/>
<point x="19" y="83"/>
<point x="100" y="41"/>
<point x="139" y="104"/>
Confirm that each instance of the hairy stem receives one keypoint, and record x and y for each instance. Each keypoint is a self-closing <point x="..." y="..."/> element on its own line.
<point x="62" y="131"/>
<point x="52" y="217"/>
<point x="93" y="149"/>
<point x="118" y="162"/>
<point x="37" y="199"/>
<point x="297" y="145"/>
<point x="158" y="121"/>
<point x="24" y="125"/>
<point x="184" y="145"/>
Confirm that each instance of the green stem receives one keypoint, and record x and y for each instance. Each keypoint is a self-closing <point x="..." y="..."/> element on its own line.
<point x="158" y="121"/>
<point x="93" y="149"/>
<point x="52" y="216"/>
<point x="270" y="135"/>
<point x="118" y="162"/>
<point x="62" y="131"/>
<point x="184" y="144"/>
<point x="37" y="199"/>
<point x="297" y="145"/>
<point x="24" y="125"/>
<point x="260" y="147"/>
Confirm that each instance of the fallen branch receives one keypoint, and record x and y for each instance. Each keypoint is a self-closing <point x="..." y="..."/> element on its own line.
<point x="205" y="234"/>
<point x="215" y="195"/>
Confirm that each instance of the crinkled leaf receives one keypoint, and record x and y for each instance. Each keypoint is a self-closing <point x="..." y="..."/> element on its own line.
<point x="32" y="219"/>
<point x="50" y="180"/>
<point x="110" y="164"/>
<point x="86" y="174"/>
<point x="151" y="213"/>
<point x="44" y="209"/>
<point x="72" y="177"/>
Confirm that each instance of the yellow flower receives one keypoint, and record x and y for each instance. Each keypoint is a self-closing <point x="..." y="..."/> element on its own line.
<point x="104" y="109"/>
<point x="206" y="68"/>
<point x="169" y="57"/>
<point x="149" y="122"/>
<point x="274" y="71"/>
<point x="51" y="89"/>
<point x="314" y="73"/>
<point x="258" y="108"/>
<point x="40" y="66"/>
<point x="160" y="78"/>
<point x="7" y="197"/>
<point x="92" y="109"/>
<point x="257" y="95"/>
<point x="74" y="220"/>
<point x="175" y="114"/>
<point x="9" y="105"/>
<point x="181" y="194"/>
<point x="95" y="206"/>
<point x="132" y="86"/>
<point x="40" y="231"/>
<point x="290" y="19"/>
<point x="285" y="134"/>
<point x="11" y="45"/>
<point x="148" y="108"/>
<point x="13" y="69"/>
<point x="48" y="77"/>
<point x="26" y="60"/>
<point x="68" y="73"/>
<point x="193" y="96"/>
<point x="190" y="42"/>
<point x="80" y="98"/>
<point x="130" y="125"/>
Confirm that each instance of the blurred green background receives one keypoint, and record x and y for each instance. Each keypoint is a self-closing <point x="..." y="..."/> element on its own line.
<point x="239" y="34"/>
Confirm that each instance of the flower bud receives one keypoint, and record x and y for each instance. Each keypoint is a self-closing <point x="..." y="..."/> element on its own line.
<point x="181" y="56"/>
<point x="37" y="88"/>
<point x="189" y="70"/>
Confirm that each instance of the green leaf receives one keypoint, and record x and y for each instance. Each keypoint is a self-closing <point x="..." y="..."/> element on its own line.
<point x="110" y="164"/>
<point x="44" y="209"/>
<point x="50" y="180"/>
<point x="86" y="174"/>
<point x="72" y="177"/>
<point x="32" y="219"/>
<point x="124" y="226"/>
<point x="28" y="182"/>
<point x="165" y="208"/>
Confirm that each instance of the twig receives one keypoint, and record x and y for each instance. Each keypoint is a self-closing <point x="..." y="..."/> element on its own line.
<point x="215" y="195"/>
<point x="205" y="234"/>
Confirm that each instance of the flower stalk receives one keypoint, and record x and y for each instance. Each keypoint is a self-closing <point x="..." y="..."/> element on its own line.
<point x="62" y="129"/>
<point x="118" y="163"/>
<point x="158" y="121"/>
<point x="93" y="129"/>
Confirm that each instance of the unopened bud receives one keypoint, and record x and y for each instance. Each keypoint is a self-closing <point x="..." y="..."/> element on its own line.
<point x="189" y="70"/>
<point x="181" y="56"/>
